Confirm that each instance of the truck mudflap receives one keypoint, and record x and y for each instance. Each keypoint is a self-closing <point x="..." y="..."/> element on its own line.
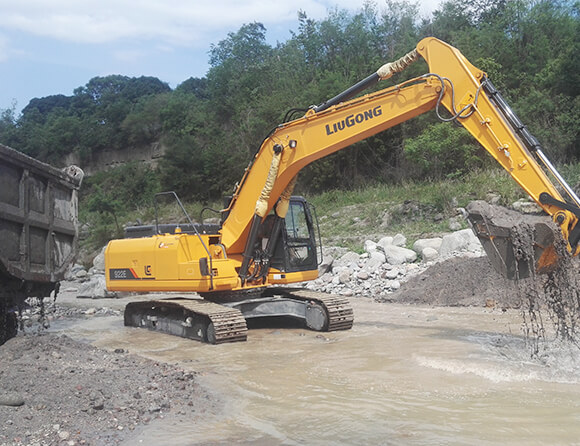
<point x="517" y="245"/>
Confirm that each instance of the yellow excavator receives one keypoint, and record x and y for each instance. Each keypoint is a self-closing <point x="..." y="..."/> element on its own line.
<point x="242" y="268"/>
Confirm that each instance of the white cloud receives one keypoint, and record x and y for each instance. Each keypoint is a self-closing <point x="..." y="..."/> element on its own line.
<point x="101" y="21"/>
<point x="193" y="23"/>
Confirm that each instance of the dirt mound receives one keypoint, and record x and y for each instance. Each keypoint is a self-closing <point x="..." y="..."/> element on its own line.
<point x="459" y="281"/>
<point x="54" y="390"/>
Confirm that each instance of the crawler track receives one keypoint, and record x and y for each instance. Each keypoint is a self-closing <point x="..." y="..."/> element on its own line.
<point x="217" y="323"/>
<point x="189" y="318"/>
<point x="338" y="309"/>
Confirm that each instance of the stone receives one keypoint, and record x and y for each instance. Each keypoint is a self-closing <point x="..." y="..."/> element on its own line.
<point x="429" y="254"/>
<point x="397" y="255"/>
<point x="526" y="207"/>
<point x="99" y="261"/>
<point x="81" y="274"/>
<point x="454" y="225"/>
<point x="464" y="240"/>
<point x="326" y="264"/>
<point x="375" y="261"/>
<point x="362" y="275"/>
<point x="385" y="241"/>
<point x="95" y="288"/>
<point x="11" y="399"/>
<point x="493" y="198"/>
<point x="344" y="276"/>
<point x="347" y="258"/>
<point x="421" y="244"/>
<point x="400" y="240"/>
<point x="370" y="246"/>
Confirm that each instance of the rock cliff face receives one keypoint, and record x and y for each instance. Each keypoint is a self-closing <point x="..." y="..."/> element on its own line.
<point x="106" y="159"/>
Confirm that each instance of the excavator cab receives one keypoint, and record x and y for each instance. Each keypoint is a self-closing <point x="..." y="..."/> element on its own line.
<point x="296" y="246"/>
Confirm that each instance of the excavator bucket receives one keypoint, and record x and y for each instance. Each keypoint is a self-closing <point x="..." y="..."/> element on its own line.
<point x="517" y="245"/>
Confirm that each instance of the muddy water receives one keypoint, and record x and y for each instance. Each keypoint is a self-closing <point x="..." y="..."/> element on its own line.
<point x="402" y="376"/>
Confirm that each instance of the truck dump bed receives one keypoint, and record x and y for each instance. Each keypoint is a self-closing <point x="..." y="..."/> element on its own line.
<point x="38" y="228"/>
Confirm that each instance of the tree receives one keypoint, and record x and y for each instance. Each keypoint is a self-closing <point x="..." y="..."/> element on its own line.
<point x="444" y="150"/>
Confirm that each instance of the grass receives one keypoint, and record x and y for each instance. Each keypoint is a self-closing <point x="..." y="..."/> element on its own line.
<point x="349" y="217"/>
<point x="414" y="209"/>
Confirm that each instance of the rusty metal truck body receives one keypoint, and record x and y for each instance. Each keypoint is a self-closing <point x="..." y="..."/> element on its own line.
<point x="38" y="230"/>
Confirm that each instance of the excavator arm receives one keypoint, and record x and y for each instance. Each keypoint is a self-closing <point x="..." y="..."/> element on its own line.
<point x="453" y="83"/>
<point x="233" y="258"/>
<point x="232" y="266"/>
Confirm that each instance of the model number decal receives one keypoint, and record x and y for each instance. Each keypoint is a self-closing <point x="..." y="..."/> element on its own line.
<point x="129" y="274"/>
<point x="122" y="274"/>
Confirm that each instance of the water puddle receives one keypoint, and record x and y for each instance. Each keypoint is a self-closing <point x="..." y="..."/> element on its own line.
<point x="402" y="375"/>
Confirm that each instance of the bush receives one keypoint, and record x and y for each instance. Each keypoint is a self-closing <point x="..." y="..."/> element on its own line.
<point x="444" y="151"/>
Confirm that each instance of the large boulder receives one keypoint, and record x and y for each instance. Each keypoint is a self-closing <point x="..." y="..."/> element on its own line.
<point x="375" y="261"/>
<point x="99" y="261"/>
<point x="422" y="243"/>
<point x="397" y="255"/>
<point x="347" y="259"/>
<point x="460" y="241"/>
<point x="400" y="240"/>
<point x="95" y="288"/>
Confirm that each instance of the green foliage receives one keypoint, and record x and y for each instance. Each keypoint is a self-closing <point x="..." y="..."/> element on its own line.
<point x="212" y="126"/>
<point x="443" y="150"/>
<point x="109" y="196"/>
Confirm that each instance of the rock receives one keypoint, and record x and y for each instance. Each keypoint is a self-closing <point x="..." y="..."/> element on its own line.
<point x="429" y="254"/>
<point x="326" y="278"/>
<point x="11" y="399"/>
<point x="375" y="261"/>
<point x="421" y="244"/>
<point x="99" y="405"/>
<point x="99" y="261"/>
<point x="326" y="265"/>
<point x="362" y="275"/>
<point x="526" y="207"/>
<point x="370" y="246"/>
<point x="80" y="274"/>
<point x="395" y="285"/>
<point x="385" y="220"/>
<point x="95" y="288"/>
<point x="464" y="240"/>
<point x="454" y="225"/>
<point x="397" y="255"/>
<point x="400" y="240"/>
<point x="347" y="258"/>
<point x="385" y="241"/>
<point x="493" y="198"/>
<point x="344" y="276"/>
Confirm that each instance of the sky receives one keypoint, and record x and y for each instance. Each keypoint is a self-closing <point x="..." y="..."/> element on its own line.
<point x="52" y="47"/>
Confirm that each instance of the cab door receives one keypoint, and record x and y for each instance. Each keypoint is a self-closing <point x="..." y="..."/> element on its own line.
<point x="298" y="248"/>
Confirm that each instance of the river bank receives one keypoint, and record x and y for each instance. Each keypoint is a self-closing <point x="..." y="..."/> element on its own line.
<point x="91" y="381"/>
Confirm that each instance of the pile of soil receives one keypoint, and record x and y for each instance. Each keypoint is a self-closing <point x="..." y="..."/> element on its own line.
<point x="460" y="281"/>
<point x="54" y="390"/>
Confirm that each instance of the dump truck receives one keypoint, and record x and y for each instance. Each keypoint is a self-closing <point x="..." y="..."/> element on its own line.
<point x="38" y="231"/>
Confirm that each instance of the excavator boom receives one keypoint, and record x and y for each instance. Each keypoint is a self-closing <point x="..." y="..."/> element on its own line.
<point x="267" y="236"/>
